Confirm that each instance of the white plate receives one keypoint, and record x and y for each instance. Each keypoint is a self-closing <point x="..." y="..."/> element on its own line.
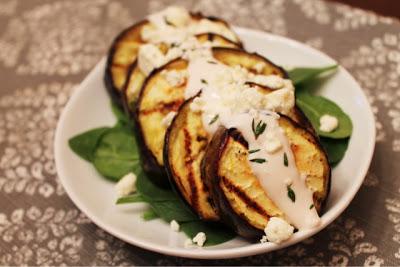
<point x="90" y="107"/>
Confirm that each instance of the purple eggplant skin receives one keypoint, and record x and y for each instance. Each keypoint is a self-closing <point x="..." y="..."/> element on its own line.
<point x="209" y="169"/>
<point x="113" y="91"/>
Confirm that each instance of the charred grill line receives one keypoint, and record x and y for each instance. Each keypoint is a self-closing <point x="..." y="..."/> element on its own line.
<point x="242" y="195"/>
<point x="162" y="107"/>
<point x="188" y="162"/>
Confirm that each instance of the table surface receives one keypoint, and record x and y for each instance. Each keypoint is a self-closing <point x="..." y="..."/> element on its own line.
<point x="48" y="47"/>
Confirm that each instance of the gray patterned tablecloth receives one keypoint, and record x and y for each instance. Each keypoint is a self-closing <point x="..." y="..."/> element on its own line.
<point x="48" y="47"/>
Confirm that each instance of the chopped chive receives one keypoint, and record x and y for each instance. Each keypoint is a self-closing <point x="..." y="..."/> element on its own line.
<point x="285" y="160"/>
<point x="291" y="193"/>
<point x="214" y="119"/>
<point x="259" y="128"/>
<point x="258" y="160"/>
<point x="254" y="151"/>
<point x="311" y="206"/>
<point x="204" y="81"/>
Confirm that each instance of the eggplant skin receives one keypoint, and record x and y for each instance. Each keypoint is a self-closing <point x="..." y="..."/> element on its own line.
<point x="184" y="146"/>
<point x="131" y="35"/>
<point x="238" y="196"/>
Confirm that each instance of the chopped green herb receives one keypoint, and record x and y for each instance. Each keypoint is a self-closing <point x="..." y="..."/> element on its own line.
<point x="258" y="160"/>
<point x="204" y="81"/>
<point x="259" y="128"/>
<point x="254" y="151"/>
<point x="291" y="193"/>
<point x="174" y="45"/>
<point x="214" y="119"/>
<point x="211" y="62"/>
<point x="285" y="160"/>
<point x="311" y="206"/>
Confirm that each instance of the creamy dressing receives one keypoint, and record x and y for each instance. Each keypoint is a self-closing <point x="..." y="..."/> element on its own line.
<point x="226" y="100"/>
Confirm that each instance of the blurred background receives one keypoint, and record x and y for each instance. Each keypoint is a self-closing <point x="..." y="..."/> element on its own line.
<point x="383" y="7"/>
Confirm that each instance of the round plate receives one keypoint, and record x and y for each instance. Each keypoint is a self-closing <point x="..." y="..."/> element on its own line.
<point x="89" y="107"/>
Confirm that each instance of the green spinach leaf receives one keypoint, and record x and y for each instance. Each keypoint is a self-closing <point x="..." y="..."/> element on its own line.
<point x="216" y="233"/>
<point x="316" y="106"/>
<point x="85" y="144"/>
<point x="134" y="198"/>
<point x="149" y="215"/>
<point x="117" y="154"/>
<point x="335" y="148"/>
<point x="301" y="75"/>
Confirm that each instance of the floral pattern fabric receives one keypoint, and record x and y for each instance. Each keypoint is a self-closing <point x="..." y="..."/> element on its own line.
<point x="47" y="47"/>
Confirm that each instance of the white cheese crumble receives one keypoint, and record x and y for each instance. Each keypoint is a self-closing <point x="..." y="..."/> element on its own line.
<point x="199" y="239"/>
<point x="271" y="81"/>
<point x="197" y="104"/>
<point x="126" y="185"/>
<point x="328" y="123"/>
<point x="174" y="78"/>
<point x="149" y="58"/>
<point x="176" y="15"/>
<point x="281" y="100"/>
<point x="166" y="121"/>
<point x="174" y="225"/>
<point x="277" y="230"/>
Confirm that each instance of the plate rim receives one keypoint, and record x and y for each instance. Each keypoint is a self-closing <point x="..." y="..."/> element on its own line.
<point x="225" y="253"/>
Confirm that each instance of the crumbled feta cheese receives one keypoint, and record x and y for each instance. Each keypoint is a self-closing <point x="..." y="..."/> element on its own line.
<point x="279" y="101"/>
<point x="166" y="121"/>
<point x="174" y="78"/>
<point x="149" y="58"/>
<point x="272" y="143"/>
<point x="278" y="230"/>
<point x="263" y="239"/>
<point x="176" y="15"/>
<point x="174" y="226"/>
<point x="200" y="239"/>
<point x="188" y="243"/>
<point x="126" y="185"/>
<point x="271" y="81"/>
<point x="328" y="123"/>
<point x="259" y="67"/>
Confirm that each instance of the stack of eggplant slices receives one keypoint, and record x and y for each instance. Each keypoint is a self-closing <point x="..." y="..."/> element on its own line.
<point x="220" y="124"/>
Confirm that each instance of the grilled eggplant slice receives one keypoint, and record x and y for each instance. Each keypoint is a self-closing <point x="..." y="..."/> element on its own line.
<point x="136" y="78"/>
<point x="185" y="143"/>
<point x="157" y="98"/>
<point x="123" y="53"/>
<point x="238" y="196"/>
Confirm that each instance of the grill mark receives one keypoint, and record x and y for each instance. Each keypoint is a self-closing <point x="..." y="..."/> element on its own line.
<point x="242" y="195"/>
<point x="119" y="65"/>
<point x="163" y="107"/>
<point x="188" y="163"/>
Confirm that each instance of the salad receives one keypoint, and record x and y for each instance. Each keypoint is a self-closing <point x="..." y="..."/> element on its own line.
<point x="220" y="142"/>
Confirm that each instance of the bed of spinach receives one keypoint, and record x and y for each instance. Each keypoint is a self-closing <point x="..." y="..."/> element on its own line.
<point x="114" y="152"/>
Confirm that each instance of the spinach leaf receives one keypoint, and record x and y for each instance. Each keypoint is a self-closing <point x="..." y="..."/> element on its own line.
<point x="149" y="215"/>
<point x="336" y="149"/>
<point x="85" y="144"/>
<point x="301" y="75"/>
<point x="121" y="116"/>
<point x="316" y="106"/>
<point x="116" y="154"/>
<point x="150" y="190"/>
<point x="216" y="233"/>
<point x="135" y="198"/>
